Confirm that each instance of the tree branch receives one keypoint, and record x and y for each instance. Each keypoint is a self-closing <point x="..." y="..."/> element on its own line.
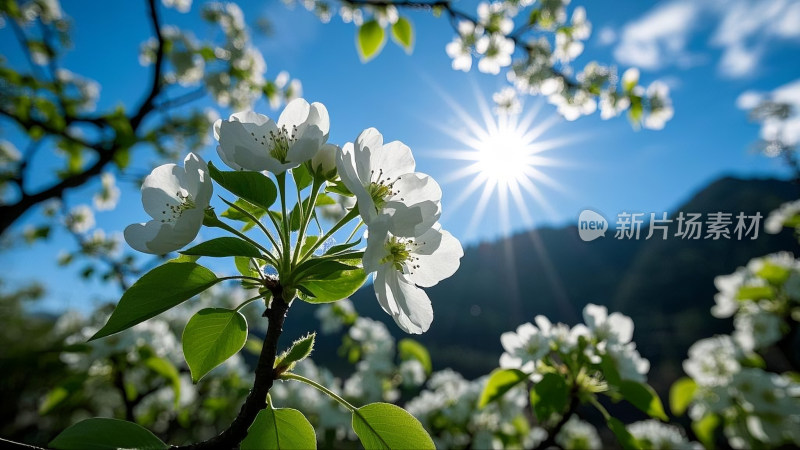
<point x="553" y="432"/>
<point x="264" y="377"/>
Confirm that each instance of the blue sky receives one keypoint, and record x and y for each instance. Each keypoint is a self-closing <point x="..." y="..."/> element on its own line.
<point x="707" y="52"/>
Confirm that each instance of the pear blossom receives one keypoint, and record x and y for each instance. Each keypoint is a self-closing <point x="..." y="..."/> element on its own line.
<point x="494" y="17"/>
<point x="252" y="141"/>
<point x="653" y="434"/>
<point x="785" y="215"/>
<point x="577" y="433"/>
<point x="176" y="199"/>
<point x="324" y="162"/>
<point x="524" y="348"/>
<point x="80" y="219"/>
<point x="661" y="110"/>
<point x="496" y="50"/>
<point x="109" y="193"/>
<point x="507" y="101"/>
<point x="460" y="48"/>
<point x="402" y="264"/>
<point x="614" y="328"/>
<point x="383" y="180"/>
<point x="713" y="361"/>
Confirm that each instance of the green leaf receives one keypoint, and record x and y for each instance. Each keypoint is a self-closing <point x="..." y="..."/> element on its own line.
<point x="403" y="34"/>
<point x="411" y="349"/>
<point x="166" y="369"/>
<point x="245" y="266"/>
<point x="704" y="429"/>
<point x="299" y="351"/>
<point x="370" y="40"/>
<point x="106" y="434"/>
<point x="254" y="187"/>
<point x="281" y="428"/>
<point x="681" y="394"/>
<point x="341" y="247"/>
<point x="302" y="177"/>
<point x="62" y="392"/>
<point x="338" y="187"/>
<point x="500" y="381"/>
<point x="294" y="217"/>
<point x="243" y="211"/>
<point x="610" y="372"/>
<point x="550" y="395"/>
<point x="775" y="274"/>
<point x="385" y="426"/>
<point x="224" y="246"/>
<point x="643" y="396"/>
<point x="335" y="285"/>
<point x="212" y="336"/>
<point x="626" y="440"/>
<point x="755" y="293"/>
<point x="160" y="289"/>
<point x="308" y="242"/>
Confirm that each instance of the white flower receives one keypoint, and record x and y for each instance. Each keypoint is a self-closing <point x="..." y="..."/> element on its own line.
<point x="493" y="17"/>
<point x="712" y="361"/>
<point x="524" y="348"/>
<point x="176" y="199"/>
<point x="412" y="373"/>
<point x="615" y="328"/>
<point x="324" y="162"/>
<point x="181" y="5"/>
<point x="496" y="50"/>
<point x="383" y="180"/>
<point x="567" y="48"/>
<point x="252" y="141"/>
<point x="630" y="78"/>
<point x="507" y="101"/>
<point x="578" y="434"/>
<point x="108" y="196"/>
<point x="756" y="328"/>
<point x="611" y="105"/>
<point x="80" y="219"/>
<point x="460" y="48"/>
<point x="661" y="110"/>
<point x="652" y="434"/>
<point x="402" y="264"/>
<point x="778" y="219"/>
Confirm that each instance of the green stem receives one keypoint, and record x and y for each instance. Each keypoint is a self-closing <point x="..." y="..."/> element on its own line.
<point x="360" y="223"/>
<point x="215" y="222"/>
<point x="241" y="277"/>
<point x="601" y="408"/>
<point x="333" y="395"/>
<point x="286" y="232"/>
<point x="255" y="220"/>
<point x="353" y="213"/>
<point x="306" y="218"/>
<point x="247" y="302"/>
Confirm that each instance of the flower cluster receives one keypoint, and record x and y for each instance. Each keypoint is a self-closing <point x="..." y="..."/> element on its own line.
<point x="406" y="247"/>
<point x="758" y="408"/>
<point x="786" y="216"/>
<point x="763" y="298"/>
<point x="603" y="336"/>
<point x="535" y="44"/>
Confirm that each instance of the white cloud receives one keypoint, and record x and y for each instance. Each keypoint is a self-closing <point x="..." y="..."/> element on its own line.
<point x="786" y="130"/>
<point x="659" y="38"/>
<point x="743" y="29"/>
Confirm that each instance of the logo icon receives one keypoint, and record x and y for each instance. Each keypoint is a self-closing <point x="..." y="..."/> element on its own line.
<point x="591" y="225"/>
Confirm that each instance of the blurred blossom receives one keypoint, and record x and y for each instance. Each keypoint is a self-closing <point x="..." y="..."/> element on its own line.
<point x="655" y="435"/>
<point x="80" y="219"/>
<point x="108" y="196"/>
<point x="578" y="434"/>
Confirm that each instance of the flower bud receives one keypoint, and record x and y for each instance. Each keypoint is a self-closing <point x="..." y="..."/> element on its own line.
<point x="324" y="162"/>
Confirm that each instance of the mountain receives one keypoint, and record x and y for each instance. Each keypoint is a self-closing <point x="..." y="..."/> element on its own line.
<point x="666" y="286"/>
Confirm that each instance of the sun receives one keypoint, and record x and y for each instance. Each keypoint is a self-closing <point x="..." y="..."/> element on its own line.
<point x="504" y="164"/>
<point x="503" y="156"/>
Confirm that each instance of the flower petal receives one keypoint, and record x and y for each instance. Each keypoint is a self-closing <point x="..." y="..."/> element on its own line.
<point x="437" y="255"/>
<point x="160" y="190"/>
<point x="415" y="206"/>
<point x="294" y="115"/>
<point x="414" y="311"/>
